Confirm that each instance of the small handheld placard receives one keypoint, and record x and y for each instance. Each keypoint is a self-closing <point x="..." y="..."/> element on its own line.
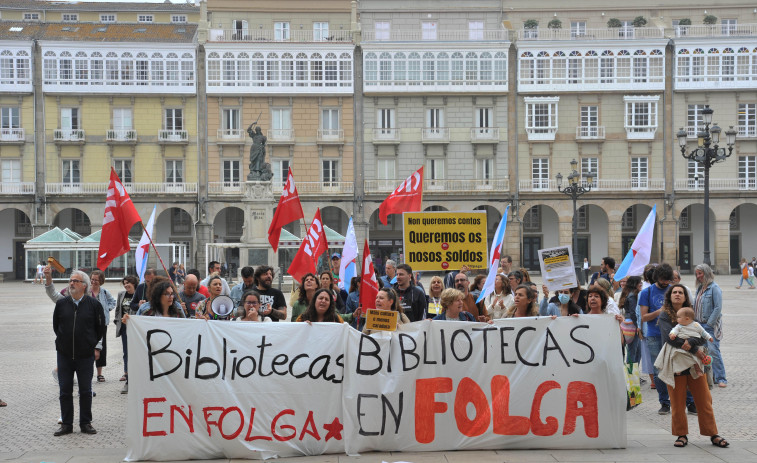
<point x="381" y="320"/>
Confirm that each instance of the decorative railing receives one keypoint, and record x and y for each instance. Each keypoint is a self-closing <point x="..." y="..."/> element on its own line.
<point x="17" y="188"/>
<point x="716" y="30"/>
<point x="716" y="184"/>
<point x="230" y="135"/>
<point x="12" y="135"/>
<point x="435" y="135"/>
<point x="386" y="135"/>
<point x="271" y="35"/>
<point x="68" y="135"/>
<point x="596" y="132"/>
<point x="280" y="135"/>
<point x="330" y="136"/>
<point x="484" y="134"/>
<point x="173" y="136"/>
<point x="121" y="135"/>
<point x="132" y="188"/>
<point x="463" y="35"/>
<point x="621" y="33"/>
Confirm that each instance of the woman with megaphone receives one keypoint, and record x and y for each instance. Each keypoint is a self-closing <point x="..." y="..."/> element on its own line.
<point x="217" y="306"/>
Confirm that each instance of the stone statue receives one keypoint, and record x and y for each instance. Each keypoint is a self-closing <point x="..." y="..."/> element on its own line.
<point x="259" y="169"/>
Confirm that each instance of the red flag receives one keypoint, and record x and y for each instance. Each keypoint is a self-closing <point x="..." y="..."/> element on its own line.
<point x="120" y="215"/>
<point x="406" y="198"/>
<point x="313" y="245"/>
<point x="288" y="210"/>
<point x="369" y="286"/>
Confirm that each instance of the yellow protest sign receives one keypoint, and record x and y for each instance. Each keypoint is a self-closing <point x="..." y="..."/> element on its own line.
<point x="381" y="320"/>
<point x="435" y="241"/>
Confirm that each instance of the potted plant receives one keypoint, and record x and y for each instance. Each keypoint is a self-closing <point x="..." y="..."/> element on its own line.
<point x="555" y="24"/>
<point x="710" y="19"/>
<point x="639" y="21"/>
<point x="614" y="23"/>
<point x="531" y="27"/>
<point x="684" y="22"/>
<point x="683" y="26"/>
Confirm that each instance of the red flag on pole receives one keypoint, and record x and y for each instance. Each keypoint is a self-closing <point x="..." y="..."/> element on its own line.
<point x="313" y="245"/>
<point x="369" y="286"/>
<point x="120" y="215"/>
<point x="406" y="198"/>
<point x="288" y="210"/>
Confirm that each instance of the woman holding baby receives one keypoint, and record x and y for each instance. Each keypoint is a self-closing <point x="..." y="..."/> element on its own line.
<point x="675" y="310"/>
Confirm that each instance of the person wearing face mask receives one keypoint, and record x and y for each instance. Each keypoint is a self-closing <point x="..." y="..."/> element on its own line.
<point x="560" y="305"/>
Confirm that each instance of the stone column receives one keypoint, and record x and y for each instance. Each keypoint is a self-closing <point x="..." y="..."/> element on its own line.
<point x="668" y="228"/>
<point x="615" y="241"/>
<point x="258" y="204"/>
<point x="721" y="238"/>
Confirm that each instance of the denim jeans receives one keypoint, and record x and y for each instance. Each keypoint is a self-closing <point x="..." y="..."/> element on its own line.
<point x="654" y="344"/>
<point x="126" y="352"/>
<point x="84" y="369"/>
<point x="718" y="368"/>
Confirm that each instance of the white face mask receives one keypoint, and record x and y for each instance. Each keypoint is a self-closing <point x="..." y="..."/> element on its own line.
<point x="564" y="298"/>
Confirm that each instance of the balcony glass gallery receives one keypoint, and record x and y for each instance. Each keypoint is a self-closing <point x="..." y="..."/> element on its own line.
<point x="435" y="69"/>
<point x="591" y="67"/>
<point x="311" y="69"/>
<point x="102" y="68"/>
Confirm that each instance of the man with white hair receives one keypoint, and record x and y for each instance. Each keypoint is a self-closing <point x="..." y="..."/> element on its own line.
<point x="79" y="325"/>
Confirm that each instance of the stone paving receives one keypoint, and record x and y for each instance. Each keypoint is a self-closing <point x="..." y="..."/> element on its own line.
<point x="28" y="422"/>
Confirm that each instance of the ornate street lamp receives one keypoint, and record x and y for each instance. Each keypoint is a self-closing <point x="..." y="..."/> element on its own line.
<point x="707" y="154"/>
<point x="574" y="190"/>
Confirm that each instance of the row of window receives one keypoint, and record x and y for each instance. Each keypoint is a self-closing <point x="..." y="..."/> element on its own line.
<point x="716" y="65"/>
<point x="231" y="171"/>
<point x="541" y="118"/>
<point x="15" y="67"/>
<point x="92" y="68"/>
<point x="422" y="68"/>
<point x="313" y="69"/>
<point x="592" y="67"/>
<point x="70" y="119"/>
<point x="640" y="120"/>
<point x="281" y="31"/>
<point x="107" y="17"/>
<point x="427" y="68"/>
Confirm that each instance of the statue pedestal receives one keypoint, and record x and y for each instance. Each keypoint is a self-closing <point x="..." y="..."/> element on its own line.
<point x="258" y="204"/>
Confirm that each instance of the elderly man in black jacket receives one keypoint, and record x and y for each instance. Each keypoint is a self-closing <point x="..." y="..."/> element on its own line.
<point x="79" y="325"/>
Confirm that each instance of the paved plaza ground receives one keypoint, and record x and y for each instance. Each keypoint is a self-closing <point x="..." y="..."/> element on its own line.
<point x="28" y="422"/>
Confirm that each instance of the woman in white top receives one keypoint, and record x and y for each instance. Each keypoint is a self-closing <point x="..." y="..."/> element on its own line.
<point x="500" y="299"/>
<point x="612" y="306"/>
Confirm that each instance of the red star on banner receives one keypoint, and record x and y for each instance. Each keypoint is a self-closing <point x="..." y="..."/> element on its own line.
<point x="145" y="247"/>
<point x="334" y="429"/>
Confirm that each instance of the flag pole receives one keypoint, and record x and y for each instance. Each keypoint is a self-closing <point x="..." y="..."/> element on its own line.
<point x="175" y="289"/>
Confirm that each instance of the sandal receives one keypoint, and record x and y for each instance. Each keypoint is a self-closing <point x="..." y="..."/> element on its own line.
<point x="682" y="441"/>
<point x="718" y="441"/>
<point x="123" y="378"/>
<point x="100" y="378"/>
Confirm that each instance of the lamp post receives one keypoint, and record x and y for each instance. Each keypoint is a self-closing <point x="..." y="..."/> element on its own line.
<point x="574" y="190"/>
<point x="707" y="154"/>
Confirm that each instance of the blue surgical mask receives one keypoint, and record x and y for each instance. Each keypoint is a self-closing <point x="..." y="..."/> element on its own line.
<point x="564" y="298"/>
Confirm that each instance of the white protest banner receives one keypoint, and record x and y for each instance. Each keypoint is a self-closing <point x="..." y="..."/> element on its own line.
<point x="519" y="383"/>
<point x="557" y="267"/>
<point x="217" y="389"/>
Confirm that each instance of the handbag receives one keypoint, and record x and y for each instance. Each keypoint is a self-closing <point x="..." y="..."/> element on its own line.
<point x="633" y="385"/>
